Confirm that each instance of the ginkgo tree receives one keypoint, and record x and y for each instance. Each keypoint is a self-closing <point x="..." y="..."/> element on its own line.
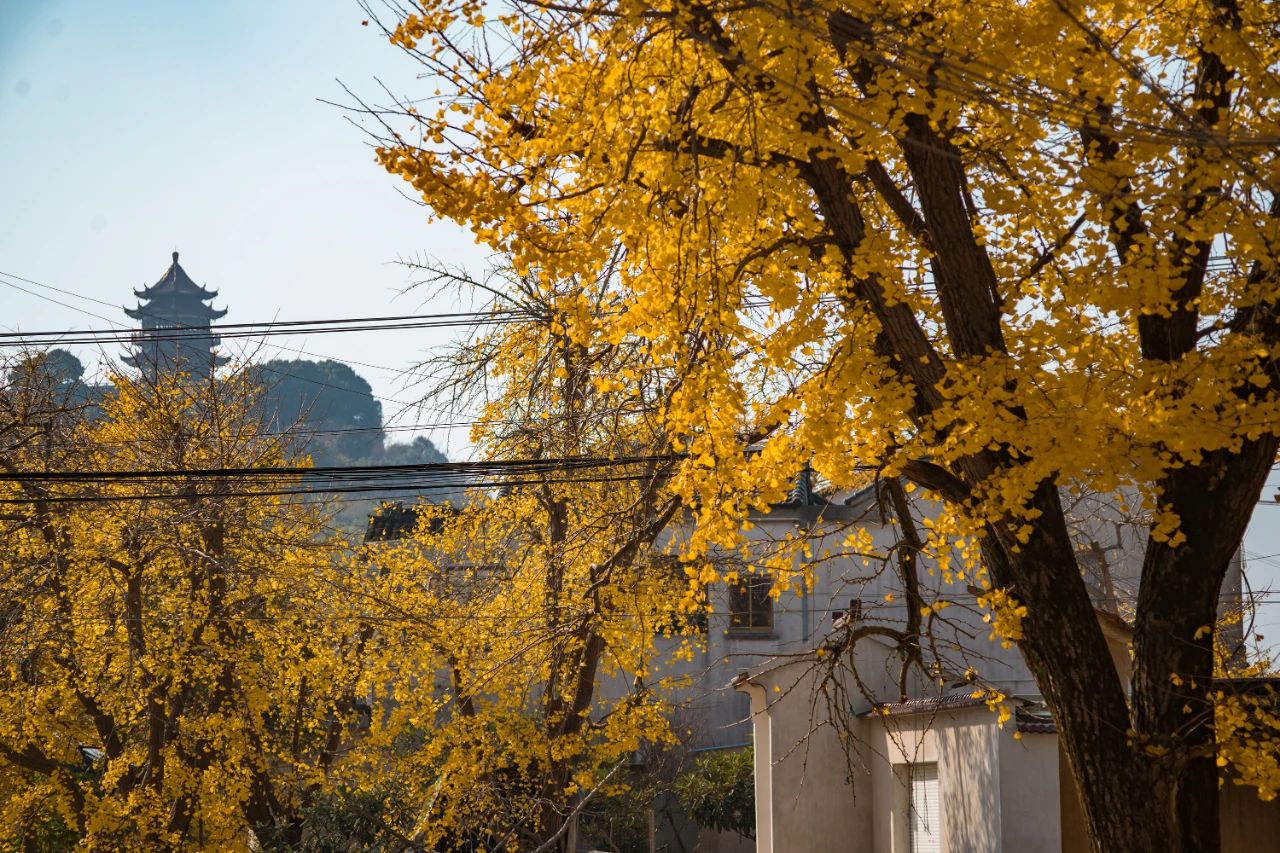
<point x="175" y="671"/>
<point x="525" y="657"/>
<point x="998" y="249"/>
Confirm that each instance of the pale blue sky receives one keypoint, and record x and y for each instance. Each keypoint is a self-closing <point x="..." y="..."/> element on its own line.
<point x="130" y="129"/>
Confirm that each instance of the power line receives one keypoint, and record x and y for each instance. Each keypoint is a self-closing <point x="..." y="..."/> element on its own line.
<point x="554" y="463"/>
<point x="269" y="328"/>
<point x="301" y="432"/>
<point x="123" y="334"/>
<point x="179" y="331"/>
<point x="123" y="330"/>
<point x="380" y="479"/>
<point x="298" y="432"/>
<point x="265" y="329"/>
<point x="398" y="317"/>
<point x="259" y="329"/>
<point x="329" y="489"/>
<point x="658" y="613"/>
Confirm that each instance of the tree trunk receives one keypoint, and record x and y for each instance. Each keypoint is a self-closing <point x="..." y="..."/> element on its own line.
<point x="1147" y="777"/>
<point x="1068" y="656"/>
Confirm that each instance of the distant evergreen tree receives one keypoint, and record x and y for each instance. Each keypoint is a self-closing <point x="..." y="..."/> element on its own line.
<point x="338" y="421"/>
<point x="330" y="405"/>
<point x="418" y="451"/>
<point x="62" y="365"/>
<point x="67" y="371"/>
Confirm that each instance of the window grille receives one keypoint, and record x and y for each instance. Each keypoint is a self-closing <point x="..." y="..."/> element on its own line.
<point x="750" y="604"/>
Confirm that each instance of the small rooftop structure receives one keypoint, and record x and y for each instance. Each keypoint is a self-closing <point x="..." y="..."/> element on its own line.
<point x="391" y="522"/>
<point x="399" y="520"/>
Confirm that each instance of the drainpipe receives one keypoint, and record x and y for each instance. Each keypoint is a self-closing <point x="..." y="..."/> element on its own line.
<point x="762" y="726"/>
<point x="804" y="614"/>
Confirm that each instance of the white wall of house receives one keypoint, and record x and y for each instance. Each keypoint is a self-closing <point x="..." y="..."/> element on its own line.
<point x="1030" y="790"/>
<point x="809" y="795"/>
<point x="996" y="793"/>
<point x="828" y="792"/>
<point x="802" y="621"/>
<point x="968" y="764"/>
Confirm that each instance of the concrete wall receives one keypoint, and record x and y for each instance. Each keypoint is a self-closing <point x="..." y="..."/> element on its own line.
<point x="1248" y="824"/>
<point x="802" y="621"/>
<point x="965" y="746"/>
<point x="997" y="794"/>
<point x="812" y="786"/>
<point x="1029" y="792"/>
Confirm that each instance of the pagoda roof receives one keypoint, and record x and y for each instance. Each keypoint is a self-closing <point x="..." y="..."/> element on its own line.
<point x="168" y="316"/>
<point x="175" y="282"/>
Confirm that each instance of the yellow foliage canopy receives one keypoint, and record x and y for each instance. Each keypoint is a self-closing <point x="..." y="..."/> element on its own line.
<point x="528" y="652"/>
<point x="1001" y="248"/>
<point x="173" y="665"/>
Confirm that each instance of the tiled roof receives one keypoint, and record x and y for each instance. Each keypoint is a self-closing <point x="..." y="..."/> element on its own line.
<point x="153" y="360"/>
<point x="1036" y="721"/>
<point x="802" y="491"/>
<point x="1028" y="718"/>
<point x="166" y="314"/>
<point x="928" y="704"/>
<point x="175" y="282"/>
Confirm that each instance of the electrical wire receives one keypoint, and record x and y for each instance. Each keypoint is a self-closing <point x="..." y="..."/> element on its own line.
<point x="260" y="329"/>
<point x="279" y="347"/>
<point x="562" y="463"/>
<point x="377" y="479"/>
<point x="326" y="489"/>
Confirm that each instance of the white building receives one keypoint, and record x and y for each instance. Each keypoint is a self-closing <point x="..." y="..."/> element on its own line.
<point x="928" y="775"/>
<point x="936" y="772"/>
<point x="749" y="629"/>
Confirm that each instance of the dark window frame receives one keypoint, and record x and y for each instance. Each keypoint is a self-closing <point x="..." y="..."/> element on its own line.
<point x="751" y="605"/>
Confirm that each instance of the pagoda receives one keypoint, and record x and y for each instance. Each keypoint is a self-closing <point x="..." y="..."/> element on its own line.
<point x="175" y="333"/>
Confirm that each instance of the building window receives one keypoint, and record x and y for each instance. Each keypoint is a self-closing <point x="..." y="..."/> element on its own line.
<point x="750" y="604"/>
<point x="926" y="835"/>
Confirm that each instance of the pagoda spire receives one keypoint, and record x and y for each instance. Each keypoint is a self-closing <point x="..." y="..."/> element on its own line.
<point x="175" y="329"/>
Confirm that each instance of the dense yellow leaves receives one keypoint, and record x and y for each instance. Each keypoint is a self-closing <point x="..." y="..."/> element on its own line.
<point x="536" y="628"/>
<point x="166" y="680"/>
<point x="1249" y="739"/>
<point x="1029" y="246"/>
<point x="1246" y="709"/>
<point x="681" y="133"/>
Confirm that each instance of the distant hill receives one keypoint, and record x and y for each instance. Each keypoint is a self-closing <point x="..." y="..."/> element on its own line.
<point x="328" y="408"/>
<point x="331" y="407"/>
<point x="338" y="421"/>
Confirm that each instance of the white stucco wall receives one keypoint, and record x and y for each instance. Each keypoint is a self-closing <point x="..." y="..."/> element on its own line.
<point x="965" y="745"/>
<point x="801" y="622"/>
<point x="1029" y="792"/>
<point x="997" y="794"/>
<point x="818" y="794"/>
